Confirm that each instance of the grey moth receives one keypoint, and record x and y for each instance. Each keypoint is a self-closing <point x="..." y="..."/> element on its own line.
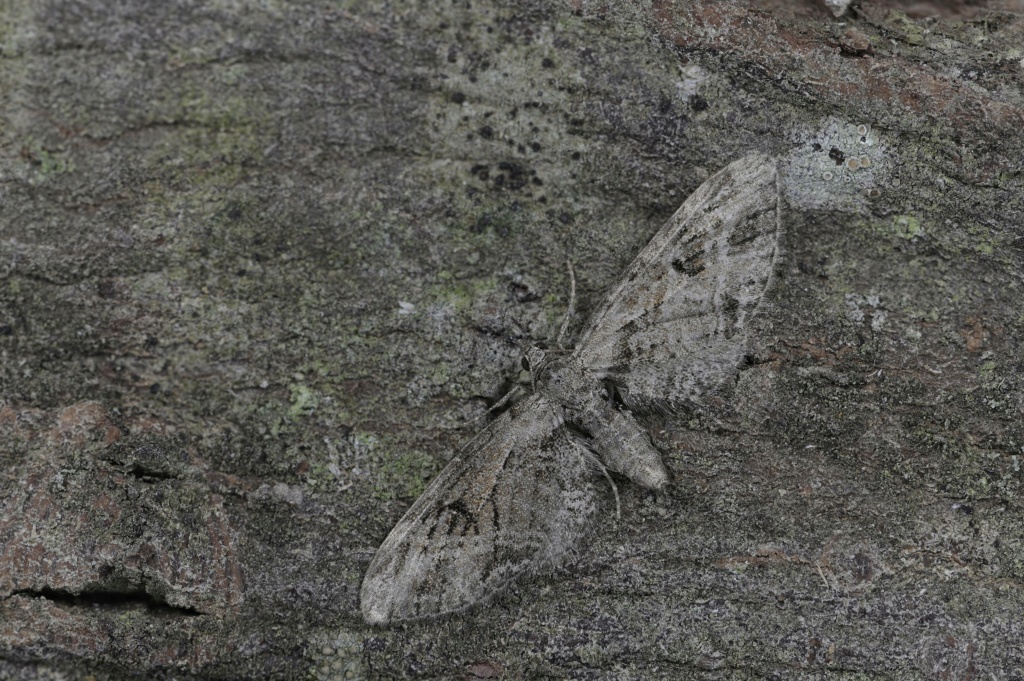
<point x="520" y="495"/>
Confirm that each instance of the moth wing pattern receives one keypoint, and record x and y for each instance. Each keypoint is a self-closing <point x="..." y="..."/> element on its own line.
<point x="517" y="498"/>
<point x="675" y="327"/>
<point x="521" y="494"/>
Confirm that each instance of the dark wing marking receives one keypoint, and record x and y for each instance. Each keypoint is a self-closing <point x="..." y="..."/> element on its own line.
<point x="675" y="327"/>
<point x="518" y="497"/>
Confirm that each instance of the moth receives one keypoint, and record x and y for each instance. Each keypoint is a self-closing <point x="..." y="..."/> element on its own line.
<point x="521" y="494"/>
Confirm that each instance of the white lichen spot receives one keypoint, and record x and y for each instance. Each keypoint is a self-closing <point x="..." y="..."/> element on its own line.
<point x="405" y="308"/>
<point x="279" y="492"/>
<point x="691" y="79"/>
<point x="837" y="7"/>
<point x="866" y="310"/>
<point x="853" y="154"/>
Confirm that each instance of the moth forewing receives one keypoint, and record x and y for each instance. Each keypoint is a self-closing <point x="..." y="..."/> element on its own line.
<point x="676" y="275"/>
<point x="518" y="500"/>
<point x="519" y="497"/>
<point x="675" y="328"/>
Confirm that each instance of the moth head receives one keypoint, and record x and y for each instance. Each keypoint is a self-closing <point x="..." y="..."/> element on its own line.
<point x="533" y="359"/>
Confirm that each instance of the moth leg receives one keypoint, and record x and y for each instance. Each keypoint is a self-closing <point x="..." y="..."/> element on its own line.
<point x="500" y="403"/>
<point x="615" y="488"/>
<point x="623" y="446"/>
<point x="615" y="491"/>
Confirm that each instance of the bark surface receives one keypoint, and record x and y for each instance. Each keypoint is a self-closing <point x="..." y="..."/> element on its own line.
<point x="259" y="267"/>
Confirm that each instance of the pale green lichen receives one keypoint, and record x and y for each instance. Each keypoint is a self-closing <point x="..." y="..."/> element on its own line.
<point x="907" y="227"/>
<point x="404" y="474"/>
<point x="303" y="400"/>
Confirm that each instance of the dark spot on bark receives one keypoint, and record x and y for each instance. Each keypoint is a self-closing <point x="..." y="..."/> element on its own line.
<point x="106" y="289"/>
<point x="481" y="224"/>
<point x="837" y="156"/>
<point x="698" y="103"/>
<point x="516" y="175"/>
<point x="93" y="600"/>
<point x="487" y="132"/>
<point x="863" y="570"/>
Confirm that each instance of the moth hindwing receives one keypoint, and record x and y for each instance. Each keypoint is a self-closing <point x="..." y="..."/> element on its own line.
<point x="519" y="497"/>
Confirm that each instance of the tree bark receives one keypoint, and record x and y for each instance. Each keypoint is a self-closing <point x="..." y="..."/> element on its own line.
<point x="261" y="264"/>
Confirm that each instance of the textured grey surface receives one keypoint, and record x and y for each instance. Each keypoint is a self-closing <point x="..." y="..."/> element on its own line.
<point x="214" y="404"/>
<point x="519" y="497"/>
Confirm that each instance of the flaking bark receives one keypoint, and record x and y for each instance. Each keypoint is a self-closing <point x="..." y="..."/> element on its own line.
<point x="259" y="268"/>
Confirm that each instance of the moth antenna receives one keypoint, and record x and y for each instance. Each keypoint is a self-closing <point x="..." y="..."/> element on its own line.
<point x="519" y="328"/>
<point x="572" y="305"/>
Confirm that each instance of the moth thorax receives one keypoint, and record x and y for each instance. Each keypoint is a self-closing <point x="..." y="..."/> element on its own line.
<point x="569" y="382"/>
